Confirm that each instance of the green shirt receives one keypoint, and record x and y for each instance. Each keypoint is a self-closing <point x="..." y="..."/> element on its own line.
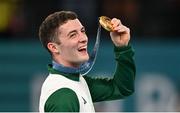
<point x="101" y="89"/>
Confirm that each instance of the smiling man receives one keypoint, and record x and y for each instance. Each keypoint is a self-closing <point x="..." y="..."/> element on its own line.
<point x="63" y="35"/>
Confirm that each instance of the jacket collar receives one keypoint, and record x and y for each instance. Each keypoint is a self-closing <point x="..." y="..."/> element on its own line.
<point x="72" y="76"/>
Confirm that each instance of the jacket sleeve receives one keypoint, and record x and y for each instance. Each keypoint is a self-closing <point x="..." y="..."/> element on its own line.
<point x="122" y="83"/>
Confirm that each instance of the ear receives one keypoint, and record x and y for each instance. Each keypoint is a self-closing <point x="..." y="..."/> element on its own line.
<point x="53" y="47"/>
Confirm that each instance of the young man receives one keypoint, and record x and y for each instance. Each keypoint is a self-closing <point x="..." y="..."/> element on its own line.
<point x="63" y="35"/>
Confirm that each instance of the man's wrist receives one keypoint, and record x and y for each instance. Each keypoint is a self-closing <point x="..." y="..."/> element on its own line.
<point x="122" y="47"/>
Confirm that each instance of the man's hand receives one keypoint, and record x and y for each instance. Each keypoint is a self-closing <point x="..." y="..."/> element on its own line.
<point x="120" y="34"/>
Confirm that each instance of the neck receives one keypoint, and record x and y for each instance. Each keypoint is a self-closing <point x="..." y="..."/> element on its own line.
<point x="66" y="64"/>
<point x="64" y="69"/>
<point x="83" y="69"/>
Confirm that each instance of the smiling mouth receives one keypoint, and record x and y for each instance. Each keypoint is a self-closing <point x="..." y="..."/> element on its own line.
<point x="82" y="50"/>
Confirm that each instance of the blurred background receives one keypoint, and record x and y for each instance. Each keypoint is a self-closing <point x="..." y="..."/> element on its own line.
<point x="155" y="37"/>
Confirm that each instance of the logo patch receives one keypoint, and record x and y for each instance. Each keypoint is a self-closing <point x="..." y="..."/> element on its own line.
<point x="84" y="100"/>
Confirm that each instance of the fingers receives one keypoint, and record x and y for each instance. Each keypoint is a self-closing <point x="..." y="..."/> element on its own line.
<point x="121" y="28"/>
<point x="118" y="26"/>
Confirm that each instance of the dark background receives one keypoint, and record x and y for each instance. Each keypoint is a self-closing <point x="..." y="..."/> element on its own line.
<point x="154" y="18"/>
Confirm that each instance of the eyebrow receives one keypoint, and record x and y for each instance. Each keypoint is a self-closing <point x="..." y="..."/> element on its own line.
<point x="83" y="28"/>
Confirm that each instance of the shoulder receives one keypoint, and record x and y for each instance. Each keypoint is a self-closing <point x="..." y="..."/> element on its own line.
<point x="62" y="100"/>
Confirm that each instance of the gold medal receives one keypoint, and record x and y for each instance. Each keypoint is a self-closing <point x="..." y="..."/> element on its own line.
<point x="106" y="23"/>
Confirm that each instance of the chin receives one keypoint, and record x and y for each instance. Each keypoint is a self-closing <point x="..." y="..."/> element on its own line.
<point x="84" y="59"/>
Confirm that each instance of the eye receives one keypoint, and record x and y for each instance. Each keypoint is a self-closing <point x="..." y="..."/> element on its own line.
<point x="73" y="35"/>
<point x="83" y="30"/>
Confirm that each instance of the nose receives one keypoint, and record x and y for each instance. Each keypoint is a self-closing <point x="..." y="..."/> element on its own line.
<point x="83" y="38"/>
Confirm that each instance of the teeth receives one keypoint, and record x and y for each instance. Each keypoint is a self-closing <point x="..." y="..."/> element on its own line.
<point x="82" y="48"/>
